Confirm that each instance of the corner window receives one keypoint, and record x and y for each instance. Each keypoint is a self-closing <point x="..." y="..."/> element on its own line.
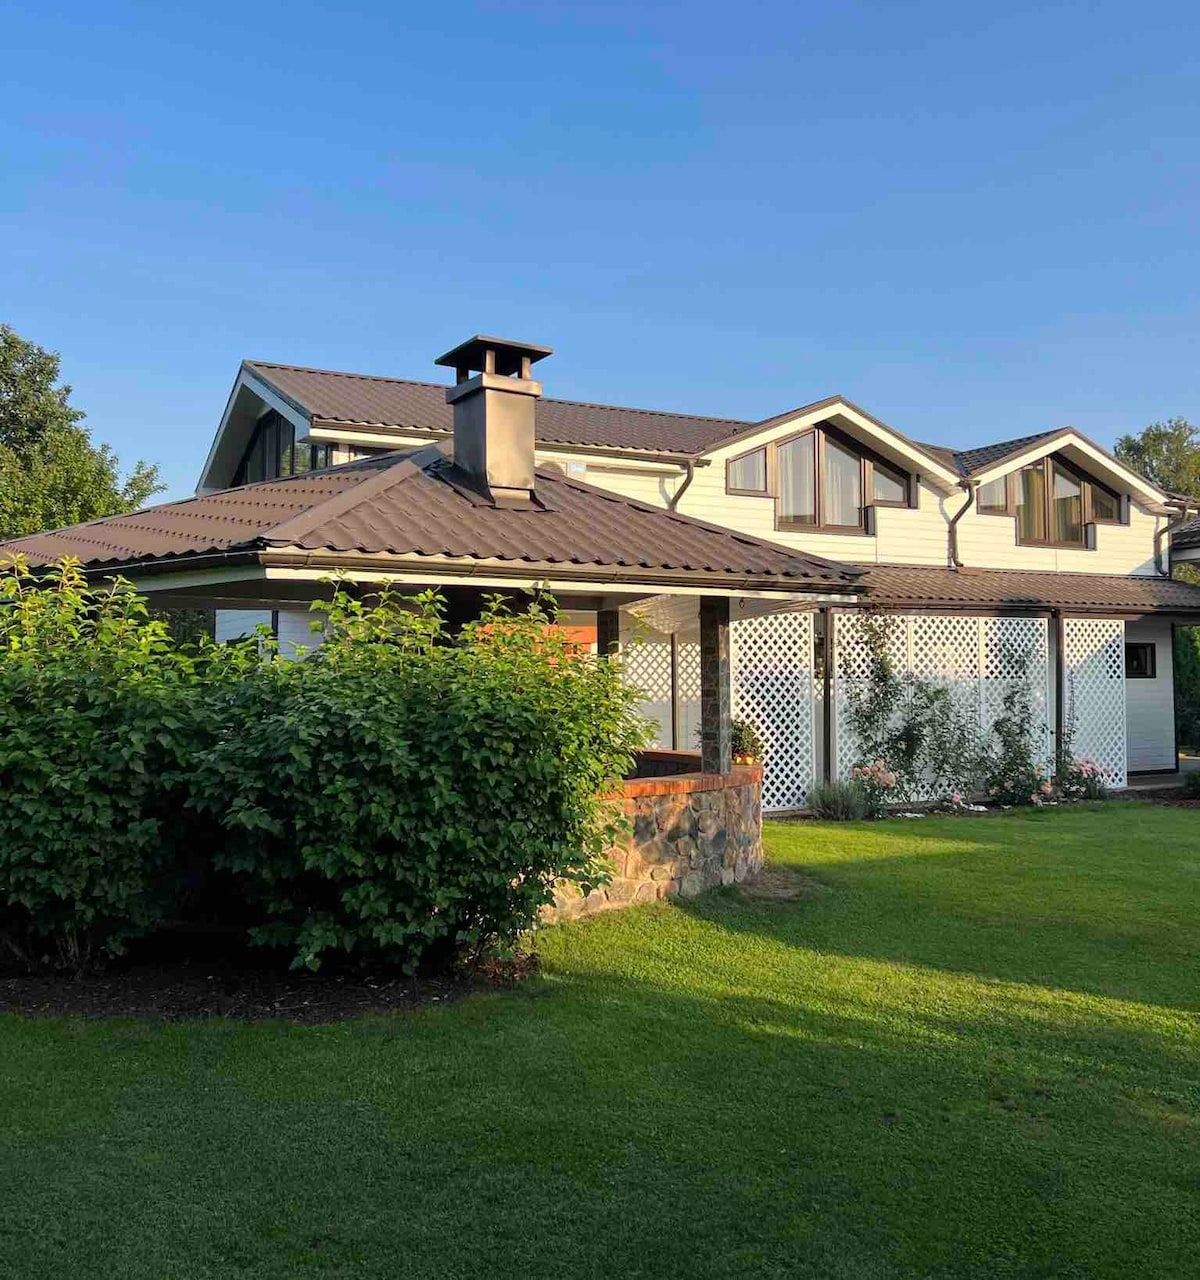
<point x="747" y="474"/>
<point x="1140" y="662"/>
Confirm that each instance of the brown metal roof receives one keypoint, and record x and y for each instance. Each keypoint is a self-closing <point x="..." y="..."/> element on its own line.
<point x="357" y="399"/>
<point x="922" y="586"/>
<point x="1187" y="535"/>
<point x="414" y="504"/>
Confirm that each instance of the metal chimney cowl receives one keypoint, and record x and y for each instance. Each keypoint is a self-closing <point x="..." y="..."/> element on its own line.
<point x="495" y="405"/>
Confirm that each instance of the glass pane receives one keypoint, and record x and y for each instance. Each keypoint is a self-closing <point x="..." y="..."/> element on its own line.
<point x="749" y="472"/>
<point x="993" y="496"/>
<point x="1105" y="505"/>
<point x="843" y="485"/>
<point x="1068" y="507"/>
<point x="1031" y="504"/>
<point x="287" y="434"/>
<point x="797" y="481"/>
<point x="890" y="485"/>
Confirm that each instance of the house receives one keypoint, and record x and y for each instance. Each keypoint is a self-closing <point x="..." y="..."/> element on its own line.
<point x="1043" y="553"/>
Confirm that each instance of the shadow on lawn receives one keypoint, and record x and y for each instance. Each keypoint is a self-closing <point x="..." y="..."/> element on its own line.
<point x="981" y="903"/>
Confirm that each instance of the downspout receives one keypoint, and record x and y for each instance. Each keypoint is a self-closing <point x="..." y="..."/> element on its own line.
<point x="673" y="500"/>
<point x="1160" y="535"/>
<point x="969" y="486"/>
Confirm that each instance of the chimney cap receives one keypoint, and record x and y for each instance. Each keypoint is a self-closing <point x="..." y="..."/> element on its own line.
<point x="508" y="357"/>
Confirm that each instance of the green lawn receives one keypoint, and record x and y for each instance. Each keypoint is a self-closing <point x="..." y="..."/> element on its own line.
<point x="975" y="1054"/>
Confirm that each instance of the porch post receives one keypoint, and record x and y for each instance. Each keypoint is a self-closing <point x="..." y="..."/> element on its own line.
<point x="716" y="732"/>
<point x="608" y="632"/>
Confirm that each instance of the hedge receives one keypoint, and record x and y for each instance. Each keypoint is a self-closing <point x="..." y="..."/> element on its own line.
<point x="401" y="793"/>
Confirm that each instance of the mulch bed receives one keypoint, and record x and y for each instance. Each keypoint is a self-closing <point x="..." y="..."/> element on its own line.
<point x="191" y="989"/>
<point x="1173" y="797"/>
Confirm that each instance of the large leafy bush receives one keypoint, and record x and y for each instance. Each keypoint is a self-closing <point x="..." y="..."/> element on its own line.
<point x="97" y="732"/>
<point x="404" y="790"/>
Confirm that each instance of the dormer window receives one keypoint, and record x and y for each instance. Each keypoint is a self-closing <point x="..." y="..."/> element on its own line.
<point x="1054" y="504"/>
<point x="820" y="480"/>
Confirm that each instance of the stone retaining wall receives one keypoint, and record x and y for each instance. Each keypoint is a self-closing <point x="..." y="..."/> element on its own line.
<point x="689" y="833"/>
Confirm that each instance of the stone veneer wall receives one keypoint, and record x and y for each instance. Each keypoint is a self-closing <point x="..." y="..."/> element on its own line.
<point x="689" y="833"/>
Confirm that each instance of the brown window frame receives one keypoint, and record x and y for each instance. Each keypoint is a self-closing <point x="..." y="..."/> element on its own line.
<point x="1012" y="482"/>
<point x="867" y="460"/>
<point x="765" y="491"/>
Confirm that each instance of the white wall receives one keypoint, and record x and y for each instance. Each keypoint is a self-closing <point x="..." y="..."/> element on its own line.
<point x="1150" y="704"/>
<point x="291" y="627"/>
<point x="903" y="536"/>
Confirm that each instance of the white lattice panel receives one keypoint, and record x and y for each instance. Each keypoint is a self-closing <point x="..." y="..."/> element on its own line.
<point x="1094" y="671"/>
<point x="773" y="686"/>
<point x="976" y="658"/>
<point x="646" y="665"/>
<point x="687" y="660"/>
<point x="1011" y="645"/>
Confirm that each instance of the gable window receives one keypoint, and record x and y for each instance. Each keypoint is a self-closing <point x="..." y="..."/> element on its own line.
<point x="747" y="474"/>
<point x="819" y="479"/>
<point x="273" y="452"/>
<point x="1055" y="505"/>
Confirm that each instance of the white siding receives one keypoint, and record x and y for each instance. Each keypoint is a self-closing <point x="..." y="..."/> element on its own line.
<point x="233" y="624"/>
<point x="291" y="627"/>
<point x="1150" y="704"/>
<point x="294" y="632"/>
<point x="903" y="536"/>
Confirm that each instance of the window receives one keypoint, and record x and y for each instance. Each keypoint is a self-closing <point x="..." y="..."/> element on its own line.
<point x="889" y="487"/>
<point x="747" y="474"/>
<point x="1105" y="505"/>
<point x="1067" y="508"/>
<point x="841" y="486"/>
<point x="273" y="452"/>
<point x="1031" y="504"/>
<point x="993" y="498"/>
<point x="819" y="479"/>
<point x="796" y="462"/>
<point x="1140" y="662"/>
<point x="1054" y="504"/>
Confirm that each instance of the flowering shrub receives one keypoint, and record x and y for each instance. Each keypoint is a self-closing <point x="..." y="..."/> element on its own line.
<point x="1083" y="778"/>
<point x="878" y="783"/>
<point x="1025" y="785"/>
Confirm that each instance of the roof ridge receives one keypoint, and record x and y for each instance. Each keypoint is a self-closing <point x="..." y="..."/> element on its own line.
<point x="441" y="386"/>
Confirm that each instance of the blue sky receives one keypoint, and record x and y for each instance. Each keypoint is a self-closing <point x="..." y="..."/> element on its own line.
<point x="974" y="220"/>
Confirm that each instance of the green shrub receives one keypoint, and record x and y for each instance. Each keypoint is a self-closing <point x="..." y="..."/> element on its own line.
<point x="840" y="801"/>
<point x="97" y="730"/>
<point x="1191" y="783"/>
<point x="402" y="790"/>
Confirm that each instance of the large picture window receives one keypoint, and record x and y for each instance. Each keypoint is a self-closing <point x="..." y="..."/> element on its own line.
<point x="820" y="480"/>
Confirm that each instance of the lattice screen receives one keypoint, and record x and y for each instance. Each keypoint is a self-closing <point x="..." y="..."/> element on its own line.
<point x="646" y="664"/>
<point x="687" y="657"/>
<point x="976" y="658"/>
<point x="773" y="685"/>
<point x="1094" y="667"/>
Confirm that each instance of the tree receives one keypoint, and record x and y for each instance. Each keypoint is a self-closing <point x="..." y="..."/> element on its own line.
<point x="1168" y="453"/>
<point x="51" y="473"/>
